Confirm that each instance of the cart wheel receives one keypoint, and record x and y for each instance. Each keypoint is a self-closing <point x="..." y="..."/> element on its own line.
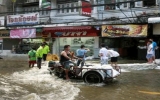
<point x="92" y="77"/>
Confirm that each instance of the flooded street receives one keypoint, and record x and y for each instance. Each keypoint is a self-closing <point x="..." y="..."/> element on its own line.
<point x="135" y="85"/>
<point x="19" y="83"/>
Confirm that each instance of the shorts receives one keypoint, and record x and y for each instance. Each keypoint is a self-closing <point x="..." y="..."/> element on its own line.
<point x="32" y="62"/>
<point x="148" y="56"/>
<point x="114" y="59"/>
<point x="66" y="64"/>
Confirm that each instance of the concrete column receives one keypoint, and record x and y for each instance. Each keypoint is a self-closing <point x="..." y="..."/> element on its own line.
<point x="53" y="5"/>
<point x="94" y="11"/>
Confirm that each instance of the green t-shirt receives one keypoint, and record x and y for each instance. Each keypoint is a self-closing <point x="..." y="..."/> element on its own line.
<point x="32" y="55"/>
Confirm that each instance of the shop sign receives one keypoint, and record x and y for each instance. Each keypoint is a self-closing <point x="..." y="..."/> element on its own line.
<point x="1" y="21"/>
<point x="77" y="34"/>
<point x="86" y="8"/>
<point x="124" y="30"/>
<point x="4" y="34"/>
<point x="23" y="33"/>
<point x="23" y="19"/>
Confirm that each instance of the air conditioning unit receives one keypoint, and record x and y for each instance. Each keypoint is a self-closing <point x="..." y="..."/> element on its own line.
<point x="139" y="4"/>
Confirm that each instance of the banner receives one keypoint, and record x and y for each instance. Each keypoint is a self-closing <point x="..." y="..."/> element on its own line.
<point x="44" y="4"/>
<point x="86" y="9"/>
<point x="1" y="21"/>
<point x="23" y="19"/>
<point x="124" y="30"/>
<point x="23" y="33"/>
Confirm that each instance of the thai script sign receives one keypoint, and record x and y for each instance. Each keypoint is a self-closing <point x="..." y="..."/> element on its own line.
<point x="23" y="19"/>
<point x="86" y="9"/>
<point x="124" y="30"/>
<point x="77" y="34"/>
<point x="23" y="33"/>
<point x="1" y="21"/>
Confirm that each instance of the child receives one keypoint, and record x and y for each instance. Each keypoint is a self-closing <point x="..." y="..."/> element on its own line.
<point x="32" y="57"/>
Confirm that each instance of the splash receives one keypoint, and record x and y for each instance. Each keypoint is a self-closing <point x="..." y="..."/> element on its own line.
<point x="38" y="84"/>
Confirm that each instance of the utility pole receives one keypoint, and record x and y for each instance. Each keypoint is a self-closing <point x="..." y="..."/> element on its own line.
<point x="13" y="1"/>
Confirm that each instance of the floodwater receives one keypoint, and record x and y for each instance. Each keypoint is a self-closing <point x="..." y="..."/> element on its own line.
<point x="21" y="83"/>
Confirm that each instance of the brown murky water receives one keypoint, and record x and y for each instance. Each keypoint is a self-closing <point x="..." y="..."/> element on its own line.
<point x="135" y="85"/>
<point x="17" y="82"/>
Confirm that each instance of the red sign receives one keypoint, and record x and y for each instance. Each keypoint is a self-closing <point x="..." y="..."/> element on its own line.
<point x="86" y="9"/>
<point x="76" y="34"/>
<point x="72" y="31"/>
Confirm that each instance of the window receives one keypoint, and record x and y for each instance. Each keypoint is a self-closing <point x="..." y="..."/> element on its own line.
<point x="149" y="3"/>
<point x="62" y="6"/>
<point x="72" y="7"/>
<point x="58" y="8"/>
<point x="76" y="5"/>
<point x="67" y="6"/>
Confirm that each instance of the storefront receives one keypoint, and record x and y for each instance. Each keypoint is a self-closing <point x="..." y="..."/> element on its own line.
<point x="75" y="36"/>
<point x="128" y="40"/>
<point x="155" y="23"/>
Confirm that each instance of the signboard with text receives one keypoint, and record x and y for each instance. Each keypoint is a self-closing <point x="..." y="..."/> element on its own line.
<point x="77" y="34"/>
<point x="86" y="9"/>
<point x="1" y="21"/>
<point x="124" y="30"/>
<point x="23" y="19"/>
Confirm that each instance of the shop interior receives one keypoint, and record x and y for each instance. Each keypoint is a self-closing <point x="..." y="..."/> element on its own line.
<point x="76" y="42"/>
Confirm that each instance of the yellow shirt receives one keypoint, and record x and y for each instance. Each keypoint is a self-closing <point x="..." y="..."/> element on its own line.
<point x="39" y="53"/>
<point x="46" y="49"/>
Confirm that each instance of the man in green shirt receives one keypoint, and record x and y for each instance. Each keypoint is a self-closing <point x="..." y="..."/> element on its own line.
<point x="39" y="55"/>
<point x="32" y="57"/>
<point x="45" y="51"/>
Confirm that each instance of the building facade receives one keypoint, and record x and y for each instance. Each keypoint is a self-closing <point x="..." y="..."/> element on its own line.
<point x="67" y="17"/>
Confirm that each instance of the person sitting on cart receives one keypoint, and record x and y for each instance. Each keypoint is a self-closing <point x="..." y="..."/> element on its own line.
<point x="65" y="59"/>
<point x="81" y="54"/>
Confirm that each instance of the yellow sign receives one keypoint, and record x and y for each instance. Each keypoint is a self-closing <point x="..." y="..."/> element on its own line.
<point x="124" y="30"/>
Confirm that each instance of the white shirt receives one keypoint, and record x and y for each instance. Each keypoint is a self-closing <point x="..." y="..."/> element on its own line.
<point x="150" y="49"/>
<point x="113" y="53"/>
<point x="104" y="53"/>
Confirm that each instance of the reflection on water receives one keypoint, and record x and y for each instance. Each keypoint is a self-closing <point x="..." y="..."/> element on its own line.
<point x="37" y="84"/>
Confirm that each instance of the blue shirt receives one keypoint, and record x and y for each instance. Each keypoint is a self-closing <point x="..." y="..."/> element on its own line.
<point x="154" y="45"/>
<point x="81" y="52"/>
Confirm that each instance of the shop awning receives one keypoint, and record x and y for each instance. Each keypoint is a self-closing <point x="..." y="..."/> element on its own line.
<point x="154" y="20"/>
<point x="67" y="28"/>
